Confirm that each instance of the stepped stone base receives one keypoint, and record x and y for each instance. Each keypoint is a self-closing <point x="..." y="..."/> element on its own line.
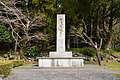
<point x="60" y="54"/>
<point x="60" y="61"/>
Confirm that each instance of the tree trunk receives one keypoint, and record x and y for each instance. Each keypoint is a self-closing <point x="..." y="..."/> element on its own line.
<point x="68" y="42"/>
<point x="22" y="56"/>
<point x="15" y="49"/>
<point x="108" y="42"/>
<point x="109" y="34"/>
<point x="98" y="55"/>
<point x="96" y="47"/>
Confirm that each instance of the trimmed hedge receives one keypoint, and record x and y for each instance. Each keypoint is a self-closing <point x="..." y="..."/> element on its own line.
<point x="5" y="69"/>
<point x="17" y="63"/>
<point x="7" y="65"/>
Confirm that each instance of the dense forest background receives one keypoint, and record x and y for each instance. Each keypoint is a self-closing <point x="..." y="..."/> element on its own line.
<point x="28" y="27"/>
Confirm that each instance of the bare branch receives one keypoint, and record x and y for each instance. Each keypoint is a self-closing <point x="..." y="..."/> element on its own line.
<point x="4" y="5"/>
<point x="100" y="43"/>
<point x="116" y="22"/>
<point x="89" y="39"/>
<point x="37" y="17"/>
<point x="13" y="31"/>
<point x="85" y="26"/>
<point x="21" y="24"/>
<point x="78" y="33"/>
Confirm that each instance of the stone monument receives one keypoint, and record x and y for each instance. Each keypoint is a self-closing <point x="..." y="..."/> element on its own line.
<point x="60" y="52"/>
<point x="60" y="58"/>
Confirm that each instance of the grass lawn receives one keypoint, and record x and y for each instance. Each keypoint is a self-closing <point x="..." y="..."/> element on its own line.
<point x="117" y="75"/>
<point x="112" y="65"/>
<point x="108" y="65"/>
<point x="90" y="62"/>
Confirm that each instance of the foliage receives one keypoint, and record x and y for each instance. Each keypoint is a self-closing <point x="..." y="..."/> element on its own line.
<point x="116" y="49"/>
<point x="104" y="51"/>
<point x="112" y="65"/>
<point x="48" y="9"/>
<point x="97" y="18"/>
<point x="5" y="35"/>
<point x="87" y="51"/>
<point x="24" y="24"/>
<point x="5" y="69"/>
<point x="117" y="75"/>
<point x="91" y="62"/>
<point x="75" y="50"/>
<point x="32" y="51"/>
<point x="70" y="8"/>
<point x="17" y="63"/>
<point x="7" y="65"/>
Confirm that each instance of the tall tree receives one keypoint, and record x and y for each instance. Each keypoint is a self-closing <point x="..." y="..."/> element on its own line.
<point x="22" y="25"/>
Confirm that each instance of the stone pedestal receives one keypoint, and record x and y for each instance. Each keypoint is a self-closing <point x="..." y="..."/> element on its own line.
<point x="60" y="62"/>
<point x="64" y="54"/>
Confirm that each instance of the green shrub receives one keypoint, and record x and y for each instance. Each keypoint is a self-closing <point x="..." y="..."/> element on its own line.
<point x="78" y="50"/>
<point x="7" y="65"/>
<point x="87" y="51"/>
<point x="5" y="69"/>
<point x="116" y="49"/>
<point x="32" y="51"/>
<point x="5" y="35"/>
<point x="17" y="63"/>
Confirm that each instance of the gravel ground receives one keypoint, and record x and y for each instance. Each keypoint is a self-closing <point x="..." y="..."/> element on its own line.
<point x="89" y="72"/>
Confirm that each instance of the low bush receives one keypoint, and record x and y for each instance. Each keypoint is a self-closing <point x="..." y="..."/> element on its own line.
<point x="5" y="69"/>
<point x="7" y="65"/>
<point x="87" y="51"/>
<point x="116" y="49"/>
<point x="17" y="63"/>
<point x="76" y="50"/>
<point x="32" y="51"/>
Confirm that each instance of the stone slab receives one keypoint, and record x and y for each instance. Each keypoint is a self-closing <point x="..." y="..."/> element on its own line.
<point x="57" y="54"/>
<point x="61" y="62"/>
